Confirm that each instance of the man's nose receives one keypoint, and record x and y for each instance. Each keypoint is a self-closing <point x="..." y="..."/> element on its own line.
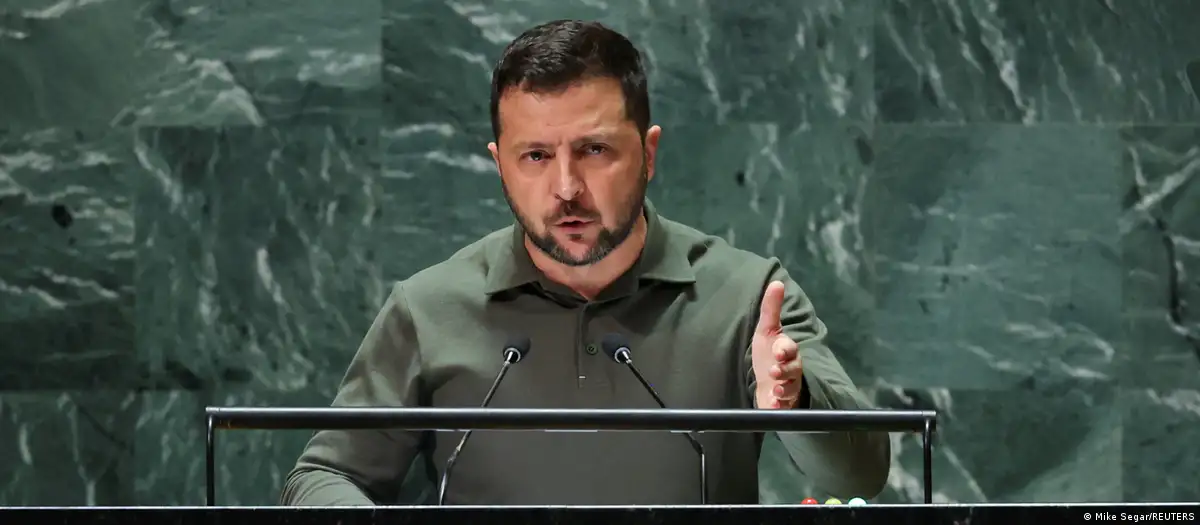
<point x="567" y="184"/>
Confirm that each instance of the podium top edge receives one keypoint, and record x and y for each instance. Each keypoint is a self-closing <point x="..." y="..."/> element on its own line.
<point x="429" y="411"/>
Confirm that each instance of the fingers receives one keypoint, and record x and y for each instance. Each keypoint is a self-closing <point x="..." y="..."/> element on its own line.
<point x="781" y="395"/>
<point x="786" y="371"/>
<point x="771" y="308"/>
<point x="784" y="349"/>
<point x="787" y="391"/>
<point x="787" y="359"/>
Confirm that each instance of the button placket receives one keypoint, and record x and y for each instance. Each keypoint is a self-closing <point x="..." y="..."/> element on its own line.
<point x="580" y="335"/>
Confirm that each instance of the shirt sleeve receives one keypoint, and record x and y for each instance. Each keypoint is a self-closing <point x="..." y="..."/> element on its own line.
<point x="365" y="467"/>
<point x="845" y="464"/>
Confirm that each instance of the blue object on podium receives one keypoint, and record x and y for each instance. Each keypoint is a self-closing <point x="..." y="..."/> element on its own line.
<point x="744" y="420"/>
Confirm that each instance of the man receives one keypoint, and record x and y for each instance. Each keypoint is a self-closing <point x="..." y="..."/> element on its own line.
<point x="709" y="325"/>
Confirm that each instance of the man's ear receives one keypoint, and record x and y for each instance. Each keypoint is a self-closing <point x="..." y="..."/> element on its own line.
<point x="495" y="155"/>
<point x="651" y="149"/>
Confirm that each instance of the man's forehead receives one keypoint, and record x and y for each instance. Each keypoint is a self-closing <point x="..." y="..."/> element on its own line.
<point x="565" y="127"/>
<point x="581" y="105"/>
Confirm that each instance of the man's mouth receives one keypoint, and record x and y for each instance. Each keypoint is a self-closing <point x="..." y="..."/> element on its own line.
<point x="571" y="222"/>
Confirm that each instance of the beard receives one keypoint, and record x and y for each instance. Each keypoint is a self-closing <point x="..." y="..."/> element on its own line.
<point x="606" y="241"/>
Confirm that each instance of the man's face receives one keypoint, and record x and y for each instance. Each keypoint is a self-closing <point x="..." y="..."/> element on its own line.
<point x="574" y="169"/>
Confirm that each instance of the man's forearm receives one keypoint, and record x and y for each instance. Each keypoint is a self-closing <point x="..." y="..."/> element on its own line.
<point x="847" y="464"/>
<point x="353" y="467"/>
<point x="319" y="488"/>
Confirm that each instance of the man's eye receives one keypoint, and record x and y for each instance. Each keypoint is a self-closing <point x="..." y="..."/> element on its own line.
<point x="595" y="149"/>
<point x="536" y="156"/>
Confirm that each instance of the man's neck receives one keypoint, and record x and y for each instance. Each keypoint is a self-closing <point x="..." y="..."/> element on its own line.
<point x="588" y="281"/>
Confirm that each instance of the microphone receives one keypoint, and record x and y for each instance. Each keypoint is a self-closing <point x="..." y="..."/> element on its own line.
<point x="514" y="351"/>
<point x="615" y="346"/>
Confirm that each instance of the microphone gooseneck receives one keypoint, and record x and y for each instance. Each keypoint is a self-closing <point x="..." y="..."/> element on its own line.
<point x="513" y="353"/>
<point x="617" y="348"/>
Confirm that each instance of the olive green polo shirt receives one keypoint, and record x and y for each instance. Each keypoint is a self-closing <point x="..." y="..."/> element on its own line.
<point x="688" y="308"/>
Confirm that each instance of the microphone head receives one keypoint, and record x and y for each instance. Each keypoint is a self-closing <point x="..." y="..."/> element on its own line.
<point x="519" y="348"/>
<point x="612" y="343"/>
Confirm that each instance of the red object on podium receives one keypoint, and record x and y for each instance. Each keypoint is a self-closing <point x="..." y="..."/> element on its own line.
<point x="809" y="501"/>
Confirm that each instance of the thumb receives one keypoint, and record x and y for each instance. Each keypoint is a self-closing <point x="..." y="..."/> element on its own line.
<point x="770" y="309"/>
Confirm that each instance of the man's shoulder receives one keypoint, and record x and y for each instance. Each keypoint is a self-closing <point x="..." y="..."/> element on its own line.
<point x="464" y="272"/>
<point x="714" y="258"/>
<point x="730" y="280"/>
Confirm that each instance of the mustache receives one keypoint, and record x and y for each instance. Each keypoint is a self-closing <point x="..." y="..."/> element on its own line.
<point x="574" y="209"/>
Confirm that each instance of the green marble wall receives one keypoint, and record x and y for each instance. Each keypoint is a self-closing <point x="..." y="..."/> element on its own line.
<point x="994" y="204"/>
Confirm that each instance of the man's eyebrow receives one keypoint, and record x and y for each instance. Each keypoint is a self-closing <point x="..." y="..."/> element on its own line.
<point x="595" y="136"/>
<point x="530" y="145"/>
<point x="598" y="136"/>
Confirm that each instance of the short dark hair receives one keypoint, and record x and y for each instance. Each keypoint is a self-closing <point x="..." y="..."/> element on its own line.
<point x="555" y="55"/>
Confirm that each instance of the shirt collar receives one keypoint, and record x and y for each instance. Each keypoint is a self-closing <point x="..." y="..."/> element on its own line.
<point x="664" y="258"/>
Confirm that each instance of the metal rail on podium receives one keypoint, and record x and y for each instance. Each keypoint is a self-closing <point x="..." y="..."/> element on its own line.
<point x="747" y="420"/>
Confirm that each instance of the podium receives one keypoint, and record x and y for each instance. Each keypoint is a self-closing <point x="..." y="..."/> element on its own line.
<point x="602" y="420"/>
<point x="745" y="420"/>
